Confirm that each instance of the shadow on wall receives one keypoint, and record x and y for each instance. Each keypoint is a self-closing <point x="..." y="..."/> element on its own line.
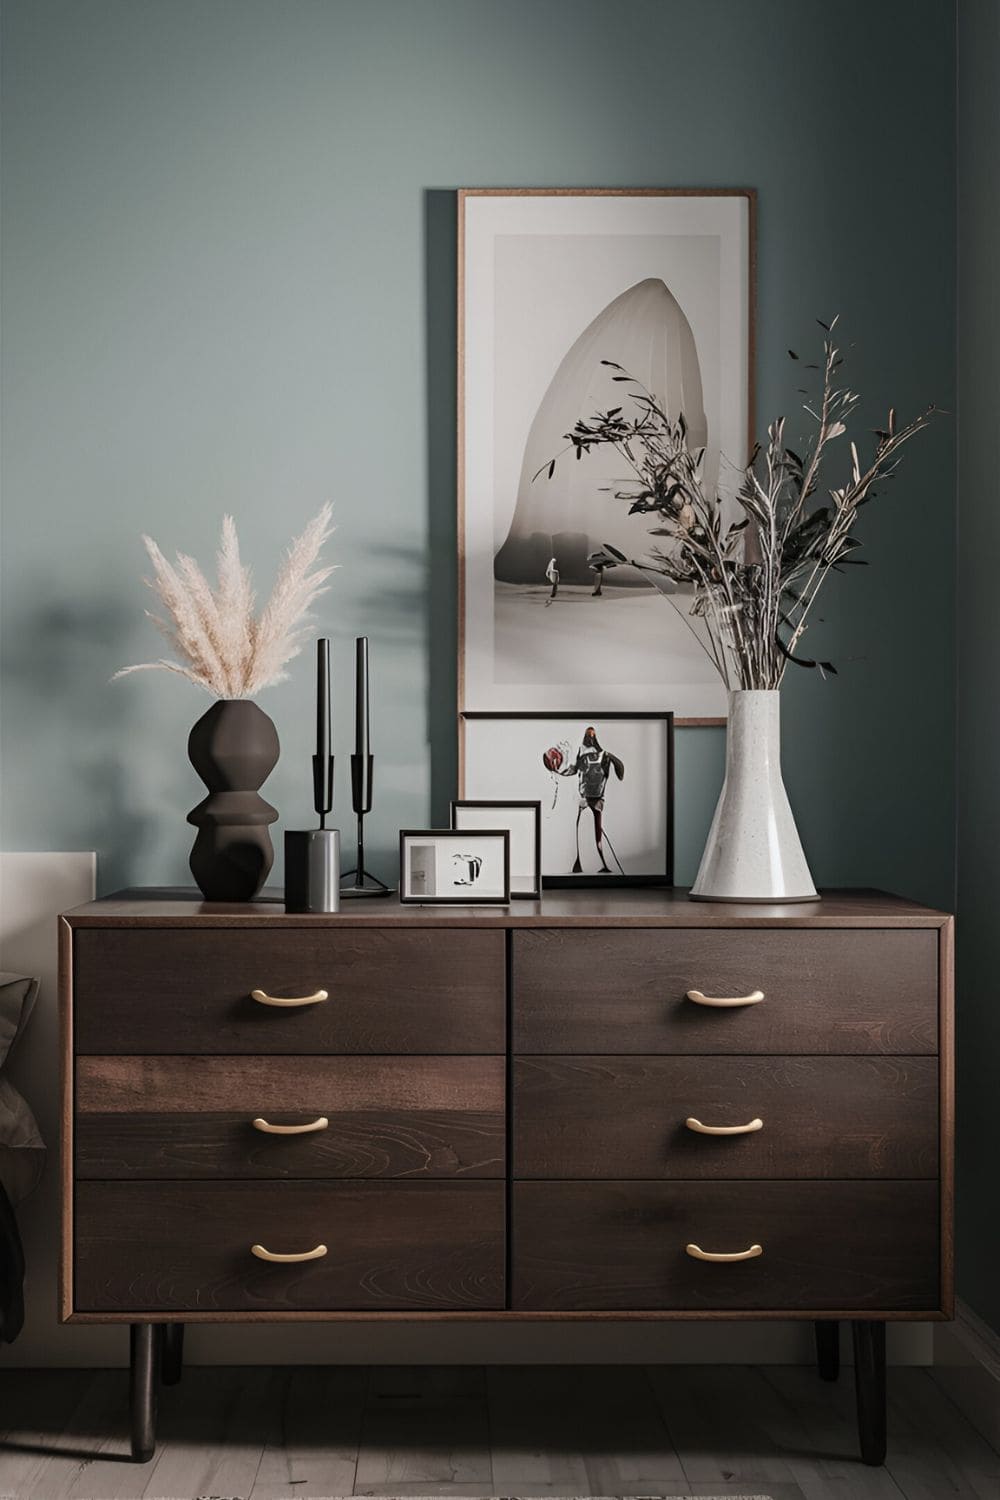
<point x="413" y="601"/>
<point x="72" y="736"/>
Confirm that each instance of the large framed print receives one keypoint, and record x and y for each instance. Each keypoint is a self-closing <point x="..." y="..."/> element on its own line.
<point x="605" y="783"/>
<point x="557" y="289"/>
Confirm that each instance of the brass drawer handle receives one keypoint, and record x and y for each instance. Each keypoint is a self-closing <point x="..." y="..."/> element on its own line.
<point x="697" y="1253"/>
<point x="696" y="1125"/>
<point x="268" y="1129"/>
<point x="263" y="998"/>
<point x="754" y="998"/>
<point x="285" y="1260"/>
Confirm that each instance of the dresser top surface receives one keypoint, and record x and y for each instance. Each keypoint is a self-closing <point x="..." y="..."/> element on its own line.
<point x="639" y="907"/>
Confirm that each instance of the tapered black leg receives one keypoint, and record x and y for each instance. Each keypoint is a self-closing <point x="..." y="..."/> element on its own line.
<point x="172" y="1353"/>
<point x="142" y="1390"/>
<point x="828" y="1349"/>
<point x="869" y="1377"/>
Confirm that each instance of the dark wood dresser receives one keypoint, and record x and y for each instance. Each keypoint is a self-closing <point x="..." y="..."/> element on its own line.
<point x="602" y="1105"/>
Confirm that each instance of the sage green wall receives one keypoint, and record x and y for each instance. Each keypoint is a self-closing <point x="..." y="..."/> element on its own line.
<point x="229" y="284"/>
<point x="979" y="652"/>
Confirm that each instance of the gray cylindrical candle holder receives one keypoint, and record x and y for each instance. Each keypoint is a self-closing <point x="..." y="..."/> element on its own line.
<point x="312" y="870"/>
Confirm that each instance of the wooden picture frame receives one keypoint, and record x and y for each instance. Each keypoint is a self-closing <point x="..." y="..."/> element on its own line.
<point x="494" y="627"/>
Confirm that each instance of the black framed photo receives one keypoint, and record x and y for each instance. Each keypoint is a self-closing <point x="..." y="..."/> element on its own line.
<point x="523" y="821"/>
<point x="455" y="866"/>
<point x="605" y="782"/>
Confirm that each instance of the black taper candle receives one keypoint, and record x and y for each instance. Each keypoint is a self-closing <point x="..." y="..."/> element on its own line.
<point x="361" y="760"/>
<point x="323" y="759"/>
<point x="323" y="698"/>
<point x="361" y="708"/>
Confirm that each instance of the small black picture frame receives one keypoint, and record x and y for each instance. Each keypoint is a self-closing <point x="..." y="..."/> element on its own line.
<point x="495" y="762"/>
<point x="523" y="887"/>
<point x="461" y="891"/>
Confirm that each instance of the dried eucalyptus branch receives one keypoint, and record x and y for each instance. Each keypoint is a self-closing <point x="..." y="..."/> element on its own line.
<point x="754" y="580"/>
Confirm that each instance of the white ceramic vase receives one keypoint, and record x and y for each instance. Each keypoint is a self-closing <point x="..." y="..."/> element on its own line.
<point x="753" y="852"/>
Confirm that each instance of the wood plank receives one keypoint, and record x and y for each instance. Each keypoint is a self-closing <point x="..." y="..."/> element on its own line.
<point x="946" y="1045"/>
<point x="934" y="1450"/>
<point x="622" y="1245"/>
<point x="390" y="1245"/>
<point x="66" y="1112"/>
<point x="44" y="1429"/>
<point x="824" y="992"/>
<point x="774" y="1492"/>
<point x="400" y="1144"/>
<point x="816" y="1425"/>
<point x="191" y="1117"/>
<point x="578" y="1430"/>
<point x="309" y="1085"/>
<point x="823" y="1117"/>
<point x="167" y="907"/>
<point x="424" y="1428"/>
<point x="212" y="1430"/>
<point x="459" y="1490"/>
<point x="151" y="991"/>
<point x="313" y="1448"/>
<point x="715" y="1417"/>
<point x="782" y="1432"/>
<point x="92" y="1457"/>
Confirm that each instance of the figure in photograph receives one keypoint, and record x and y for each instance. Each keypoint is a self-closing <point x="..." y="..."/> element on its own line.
<point x="552" y="574"/>
<point x="592" y="767"/>
<point x="471" y="866"/>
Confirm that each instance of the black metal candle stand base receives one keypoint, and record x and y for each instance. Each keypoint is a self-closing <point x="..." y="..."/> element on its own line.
<point x="364" y="883"/>
<point x="370" y="886"/>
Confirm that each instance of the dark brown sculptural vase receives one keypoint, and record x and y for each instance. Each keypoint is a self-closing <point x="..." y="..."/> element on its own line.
<point x="234" y="748"/>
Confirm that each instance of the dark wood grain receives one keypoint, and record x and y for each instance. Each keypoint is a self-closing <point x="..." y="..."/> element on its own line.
<point x="148" y="991"/>
<point x="186" y="1246"/>
<point x="946" y="970"/>
<point x="826" y="1245"/>
<point x="623" y="1117"/>
<point x="191" y="1117"/>
<point x="825" y="992"/>
<point x="66" y="1083"/>
<point x="439" y="991"/>
<point x="171" y="908"/>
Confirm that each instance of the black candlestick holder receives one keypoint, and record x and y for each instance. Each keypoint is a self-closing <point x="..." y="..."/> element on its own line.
<point x="364" y="883"/>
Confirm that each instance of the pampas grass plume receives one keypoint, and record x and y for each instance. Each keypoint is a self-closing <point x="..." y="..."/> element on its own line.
<point x="217" y="640"/>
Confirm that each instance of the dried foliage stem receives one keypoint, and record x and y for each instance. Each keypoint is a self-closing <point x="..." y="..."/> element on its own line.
<point x="221" y="645"/>
<point x="754" y="580"/>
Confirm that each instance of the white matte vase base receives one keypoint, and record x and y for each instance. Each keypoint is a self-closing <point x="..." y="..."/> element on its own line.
<point x="754" y="853"/>
<point x="756" y="900"/>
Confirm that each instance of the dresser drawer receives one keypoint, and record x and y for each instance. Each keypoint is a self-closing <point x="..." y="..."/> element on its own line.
<point x="152" y="990"/>
<point x="832" y="991"/>
<point x="829" y="1117"/>
<point x="184" y="1247"/>
<point x="427" y="1117"/>
<point x="827" y="1246"/>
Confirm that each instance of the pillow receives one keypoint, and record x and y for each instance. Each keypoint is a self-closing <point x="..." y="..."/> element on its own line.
<point x="22" y="1150"/>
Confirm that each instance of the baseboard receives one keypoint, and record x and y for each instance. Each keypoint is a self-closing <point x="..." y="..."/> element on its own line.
<point x="715" y="1343"/>
<point x="967" y="1367"/>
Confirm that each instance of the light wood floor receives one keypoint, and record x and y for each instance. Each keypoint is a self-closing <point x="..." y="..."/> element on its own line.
<point x="261" y="1434"/>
